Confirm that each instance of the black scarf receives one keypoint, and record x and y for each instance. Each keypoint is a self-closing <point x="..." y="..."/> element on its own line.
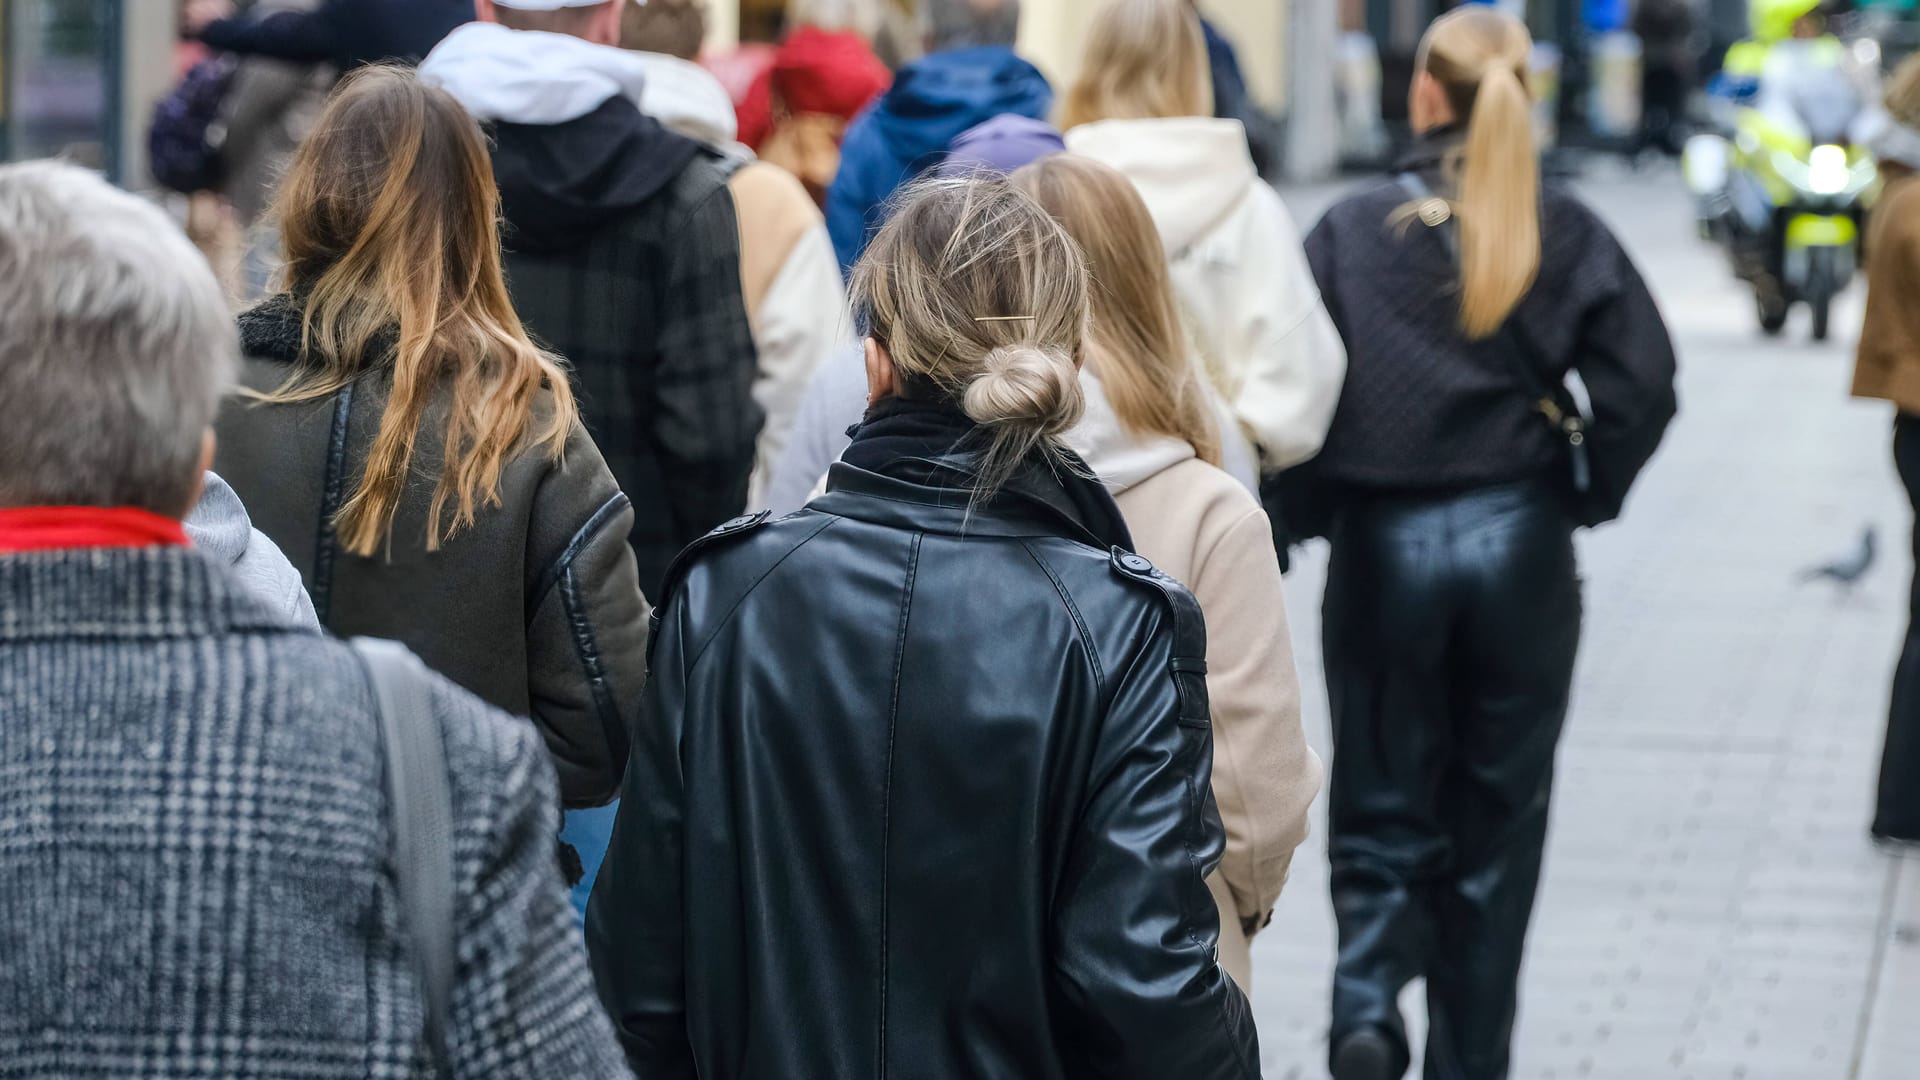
<point x="930" y="442"/>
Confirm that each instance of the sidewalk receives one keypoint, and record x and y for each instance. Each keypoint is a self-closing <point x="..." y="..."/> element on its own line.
<point x="1711" y="907"/>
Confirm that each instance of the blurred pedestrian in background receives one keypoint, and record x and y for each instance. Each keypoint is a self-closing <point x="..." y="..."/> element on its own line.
<point x="1669" y="69"/>
<point x="1142" y="103"/>
<point x="344" y="33"/>
<point x="970" y="74"/>
<point x="805" y="861"/>
<point x="1888" y="367"/>
<point x="797" y="111"/>
<point x="1233" y="101"/>
<point x="268" y="109"/>
<point x="200" y="871"/>
<point x="789" y="279"/>
<point x="623" y="253"/>
<point x="415" y="454"/>
<point x="1464" y="291"/>
<point x="1152" y="436"/>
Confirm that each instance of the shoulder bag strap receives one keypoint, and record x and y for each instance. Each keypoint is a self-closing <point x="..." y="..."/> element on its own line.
<point x="417" y="789"/>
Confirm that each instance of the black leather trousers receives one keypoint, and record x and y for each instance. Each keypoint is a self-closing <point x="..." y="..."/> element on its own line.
<point x="1451" y="625"/>
<point x="1897" y="806"/>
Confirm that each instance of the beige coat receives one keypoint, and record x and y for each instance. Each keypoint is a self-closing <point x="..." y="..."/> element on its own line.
<point x="1205" y="530"/>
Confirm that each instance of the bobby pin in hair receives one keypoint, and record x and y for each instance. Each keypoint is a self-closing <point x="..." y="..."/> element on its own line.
<point x="1006" y="318"/>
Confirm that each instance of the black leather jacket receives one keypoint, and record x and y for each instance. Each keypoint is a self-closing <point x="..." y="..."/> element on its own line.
<point x="920" y="790"/>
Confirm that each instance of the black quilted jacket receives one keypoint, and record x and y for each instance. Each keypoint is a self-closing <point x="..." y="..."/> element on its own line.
<point x="1424" y="408"/>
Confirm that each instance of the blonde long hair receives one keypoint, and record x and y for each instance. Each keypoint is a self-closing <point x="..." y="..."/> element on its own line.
<point x="1135" y="341"/>
<point x="980" y="297"/>
<point x="1144" y="60"/>
<point x="1480" y="57"/>
<point x="390" y="221"/>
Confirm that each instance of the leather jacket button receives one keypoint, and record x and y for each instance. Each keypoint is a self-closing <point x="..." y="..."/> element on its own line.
<point x="1136" y="563"/>
<point x="735" y="524"/>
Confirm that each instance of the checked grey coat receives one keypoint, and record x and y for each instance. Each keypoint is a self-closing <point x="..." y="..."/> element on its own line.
<point x="195" y="860"/>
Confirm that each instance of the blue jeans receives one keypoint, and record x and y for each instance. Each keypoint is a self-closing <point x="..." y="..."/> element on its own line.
<point x="588" y="831"/>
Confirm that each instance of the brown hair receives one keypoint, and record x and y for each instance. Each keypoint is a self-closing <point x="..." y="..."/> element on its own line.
<point x="390" y="221"/>
<point x="1135" y="341"/>
<point x="977" y="293"/>
<point x="1144" y="60"/>
<point x="674" y="27"/>
<point x="1479" y="56"/>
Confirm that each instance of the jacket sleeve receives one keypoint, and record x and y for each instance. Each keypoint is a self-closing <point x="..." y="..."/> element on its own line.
<point x="523" y="1001"/>
<point x="1625" y="358"/>
<point x="587" y="624"/>
<point x="1264" y="775"/>
<point x="302" y="36"/>
<point x="802" y="319"/>
<point x="635" y="921"/>
<point x="1135" y="927"/>
<point x="706" y="420"/>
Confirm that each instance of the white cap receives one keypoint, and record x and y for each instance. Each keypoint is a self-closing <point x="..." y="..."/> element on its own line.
<point x="549" y="5"/>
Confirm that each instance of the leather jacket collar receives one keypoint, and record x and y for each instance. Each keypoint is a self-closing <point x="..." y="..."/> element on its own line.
<point x="1022" y="508"/>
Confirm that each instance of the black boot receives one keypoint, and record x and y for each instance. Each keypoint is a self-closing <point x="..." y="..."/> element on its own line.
<point x="1367" y="1054"/>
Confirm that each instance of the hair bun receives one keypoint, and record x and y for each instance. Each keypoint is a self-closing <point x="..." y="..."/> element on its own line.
<point x="1028" y="386"/>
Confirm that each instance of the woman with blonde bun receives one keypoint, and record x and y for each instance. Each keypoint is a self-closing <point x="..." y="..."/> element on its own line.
<point x="1459" y="466"/>
<point x="923" y="784"/>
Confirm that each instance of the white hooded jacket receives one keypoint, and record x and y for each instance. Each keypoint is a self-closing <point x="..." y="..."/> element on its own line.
<point x="1243" y="281"/>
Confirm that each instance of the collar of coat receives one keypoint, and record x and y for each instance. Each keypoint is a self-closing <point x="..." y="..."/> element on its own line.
<point x="125" y="594"/>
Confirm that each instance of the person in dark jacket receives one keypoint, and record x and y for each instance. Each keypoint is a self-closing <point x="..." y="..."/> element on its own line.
<point x="1453" y="607"/>
<point x="344" y="33"/>
<point x="1669" y="68"/>
<point x="414" y="454"/>
<point x="623" y="254"/>
<point x="969" y="75"/>
<point x="199" y="872"/>
<point x="922" y="785"/>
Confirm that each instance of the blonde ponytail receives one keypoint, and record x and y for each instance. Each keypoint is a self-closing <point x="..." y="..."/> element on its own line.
<point x="1479" y="57"/>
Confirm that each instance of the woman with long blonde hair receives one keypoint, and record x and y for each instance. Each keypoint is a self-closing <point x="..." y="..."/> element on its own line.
<point x="414" y="453"/>
<point x="1458" y="467"/>
<point x="1143" y="103"/>
<point x="1150" y="435"/>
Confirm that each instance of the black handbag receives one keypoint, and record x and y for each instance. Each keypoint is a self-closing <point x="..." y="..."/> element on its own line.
<point x="1556" y="404"/>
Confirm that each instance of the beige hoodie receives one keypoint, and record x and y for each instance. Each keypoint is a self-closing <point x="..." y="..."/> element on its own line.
<point x="1203" y="529"/>
<point x="1249" y="297"/>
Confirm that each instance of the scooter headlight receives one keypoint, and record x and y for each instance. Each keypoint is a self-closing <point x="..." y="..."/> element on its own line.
<point x="1827" y="170"/>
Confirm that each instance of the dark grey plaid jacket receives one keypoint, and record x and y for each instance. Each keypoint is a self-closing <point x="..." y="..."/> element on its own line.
<point x="195" y="868"/>
<point x="649" y="312"/>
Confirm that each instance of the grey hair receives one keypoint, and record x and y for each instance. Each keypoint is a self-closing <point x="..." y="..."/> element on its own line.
<point x="860" y="16"/>
<point x="965" y="24"/>
<point x="116" y="345"/>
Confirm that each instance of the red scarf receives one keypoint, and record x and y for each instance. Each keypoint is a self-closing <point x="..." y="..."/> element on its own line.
<point x="50" y="528"/>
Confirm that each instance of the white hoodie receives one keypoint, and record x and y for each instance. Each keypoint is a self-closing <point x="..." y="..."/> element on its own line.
<point x="1247" y="292"/>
